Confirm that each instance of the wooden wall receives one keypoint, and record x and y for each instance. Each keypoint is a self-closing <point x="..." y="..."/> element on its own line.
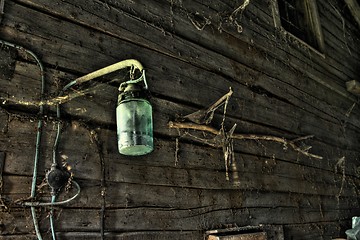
<point x="193" y="53"/>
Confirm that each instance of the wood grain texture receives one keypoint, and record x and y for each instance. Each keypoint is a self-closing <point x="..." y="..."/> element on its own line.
<point x="193" y="53"/>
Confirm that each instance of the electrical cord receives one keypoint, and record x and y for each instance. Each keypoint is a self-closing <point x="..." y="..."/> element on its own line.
<point x="39" y="127"/>
<point x="58" y="115"/>
<point x="55" y="147"/>
<point x="38" y="143"/>
<point x="122" y="64"/>
<point x="53" y="200"/>
<point x="42" y="204"/>
<point x="141" y="78"/>
<point x="98" y="73"/>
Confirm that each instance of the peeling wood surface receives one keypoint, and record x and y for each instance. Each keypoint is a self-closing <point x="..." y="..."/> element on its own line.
<point x="281" y="88"/>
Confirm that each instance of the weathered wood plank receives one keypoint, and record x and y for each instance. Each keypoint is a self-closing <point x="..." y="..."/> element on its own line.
<point x="163" y="219"/>
<point x="152" y="188"/>
<point x="290" y="228"/>
<point x="175" y="77"/>
<point x="334" y="14"/>
<point x="129" y="195"/>
<point x="19" y="220"/>
<point x="267" y="37"/>
<point x="321" y="60"/>
<point x="332" y="64"/>
<point x="184" y="23"/>
<point x="19" y="236"/>
<point x="162" y="116"/>
<point x="204" y="218"/>
<point x="7" y="62"/>
<point x="321" y="230"/>
<point x="3" y="121"/>
<point x="298" y="55"/>
<point x="131" y="202"/>
<point x="276" y="174"/>
<point x="20" y="149"/>
<point x="85" y="108"/>
<point x="340" y="49"/>
<point x="15" y="222"/>
<point x="75" y="134"/>
<point x="140" y="235"/>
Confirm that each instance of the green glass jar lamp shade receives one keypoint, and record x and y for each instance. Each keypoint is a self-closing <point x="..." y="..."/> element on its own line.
<point x="134" y="120"/>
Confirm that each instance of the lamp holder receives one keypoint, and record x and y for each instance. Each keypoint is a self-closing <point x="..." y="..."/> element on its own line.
<point x="142" y="78"/>
<point x="57" y="177"/>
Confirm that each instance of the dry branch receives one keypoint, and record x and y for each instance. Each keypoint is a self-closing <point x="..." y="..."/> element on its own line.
<point x="239" y="8"/>
<point x="237" y="136"/>
<point x="206" y="115"/>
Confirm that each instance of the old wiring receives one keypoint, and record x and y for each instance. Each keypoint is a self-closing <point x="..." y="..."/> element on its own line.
<point x="54" y="203"/>
<point x="95" y="139"/>
<point x="63" y="98"/>
<point x="134" y="64"/>
<point x="39" y="128"/>
<point x="57" y="102"/>
<point x="52" y="228"/>
<point x="38" y="144"/>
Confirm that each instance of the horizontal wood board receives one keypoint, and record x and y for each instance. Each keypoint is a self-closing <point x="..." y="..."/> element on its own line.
<point x="193" y="53"/>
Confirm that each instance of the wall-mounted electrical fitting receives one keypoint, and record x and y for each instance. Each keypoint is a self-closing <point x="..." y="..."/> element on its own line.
<point x="134" y="119"/>
<point x="133" y="112"/>
<point x="134" y="129"/>
<point x="57" y="177"/>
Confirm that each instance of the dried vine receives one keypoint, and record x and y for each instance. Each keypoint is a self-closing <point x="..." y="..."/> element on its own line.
<point x="200" y="120"/>
<point x="200" y="22"/>
<point x="234" y="14"/>
<point x="237" y="136"/>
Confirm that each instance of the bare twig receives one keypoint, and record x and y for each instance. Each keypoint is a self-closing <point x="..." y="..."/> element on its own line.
<point x="349" y="111"/>
<point x="228" y="149"/>
<point x="286" y="142"/>
<point x="176" y="151"/>
<point x="240" y="8"/>
<point x="193" y="126"/>
<point x="56" y="100"/>
<point x="197" y="25"/>
<point x="340" y="167"/>
<point x="206" y="115"/>
<point x="233" y="15"/>
<point x="343" y="26"/>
